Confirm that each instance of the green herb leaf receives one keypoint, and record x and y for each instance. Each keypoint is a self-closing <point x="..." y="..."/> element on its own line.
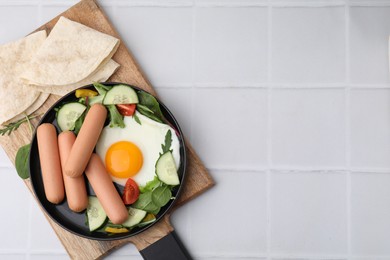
<point x="100" y="88"/>
<point x="79" y="122"/>
<point x="115" y="117"/>
<point x="145" y="202"/>
<point x="145" y="108"/>
<point x="136" y="118"/>
<point x="161" y="195"/>
<point x="168" y="141"/>
<point x="21" y="161"/>
<point x="150" y="185"/>
<point x="8" y="129"/>
<point x="153" y="110"/>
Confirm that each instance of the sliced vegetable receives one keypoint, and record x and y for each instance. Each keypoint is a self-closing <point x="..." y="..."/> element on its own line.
<point x="126" y="109"/>
<point x="80" y="93"/>
<point x="131" y="192"/>
<point x="97" y="99"/>
<point x="120" y="94"/>
<point x="166" y="169"/>
<point x="150" y="218"/>
<point x="114" y="230"/>
<point x="135" y="217"/>
<point x="95" y="213"/>
<point x="68" y="114"/>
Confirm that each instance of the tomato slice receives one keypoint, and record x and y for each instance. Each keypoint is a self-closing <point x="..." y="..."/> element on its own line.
<point x="126" y="109"/>
<point x="131" y="192"/>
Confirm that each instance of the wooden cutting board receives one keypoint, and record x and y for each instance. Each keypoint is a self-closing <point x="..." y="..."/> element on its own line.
<point x="197" y="180"/>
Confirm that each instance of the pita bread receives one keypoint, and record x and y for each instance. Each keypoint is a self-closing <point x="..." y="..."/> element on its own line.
<point x="15" y="95"/>
<point x="70" y="54"/>
<point x="31" y="109"/>
<point x="101" y="75"/>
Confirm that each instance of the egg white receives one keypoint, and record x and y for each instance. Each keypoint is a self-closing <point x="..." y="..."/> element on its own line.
<point x="149" y="136"/>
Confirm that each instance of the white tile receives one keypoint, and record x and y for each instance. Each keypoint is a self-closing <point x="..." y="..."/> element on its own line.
<point x="15" y="202"/>
<point x="40" y="228"/>
<point x="160" y="40"/>
<point x="370" y="214"/>
<point x="369" y="43"/>
<point x="48" y="257"/>
<point x="308" y="213"/>
<point x="229" y="127"/>
<point x="308" y="127"/>
<point x="231" y="45"/>
<point x="178" y="101"/>
<point x="231" y="222"/>
<point x="51" y="11"/>
<point x="13" y="256"/>
<point x="308" y="44"/>
<point x="127" y="250"/>
<point x="370" y="128"/>
<point x="4" y="160"/>
<point x="180" y="220"/>
<point x="12" y="26"/>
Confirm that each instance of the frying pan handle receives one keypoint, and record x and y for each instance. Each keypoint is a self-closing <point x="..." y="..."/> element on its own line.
<point x="167" y="248"/>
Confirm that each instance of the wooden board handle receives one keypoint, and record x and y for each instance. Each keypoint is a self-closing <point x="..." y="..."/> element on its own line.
<point x="168" y="247"/>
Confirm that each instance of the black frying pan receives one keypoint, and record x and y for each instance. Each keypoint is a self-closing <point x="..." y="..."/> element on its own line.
<point x="168" y="247"/>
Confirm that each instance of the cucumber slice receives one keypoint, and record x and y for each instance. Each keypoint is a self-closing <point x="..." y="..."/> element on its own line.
<point x="95" y="213"/>
<point x="135" y="217"/>
<point x="97" y="99"/>
<point x="68" y="114"/>
<point x="166" y="169"/>
<point x="120" y="94"/>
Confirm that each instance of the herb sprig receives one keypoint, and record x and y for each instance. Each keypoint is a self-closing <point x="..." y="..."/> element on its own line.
<point x="9" y="128"/>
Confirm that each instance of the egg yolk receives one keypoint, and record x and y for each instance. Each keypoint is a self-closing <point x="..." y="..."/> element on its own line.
<point x="123" y="159"/>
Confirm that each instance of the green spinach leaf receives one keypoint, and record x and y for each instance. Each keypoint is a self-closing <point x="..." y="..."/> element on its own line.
<point x="21" y="161"/>
<point x="115" y="117"/>
<point x="145" y="202"/>
<point x="153" y="110"/>
<point x="161" y="195"/>
<point x="150" y="185"/>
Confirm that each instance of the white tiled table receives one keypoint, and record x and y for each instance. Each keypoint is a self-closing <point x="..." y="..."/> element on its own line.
<point x="286" y="102"/>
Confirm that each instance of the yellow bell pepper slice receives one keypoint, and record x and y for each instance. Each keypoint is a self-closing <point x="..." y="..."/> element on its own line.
<point x="80" y="93"/>
<point x="116" y="230"/>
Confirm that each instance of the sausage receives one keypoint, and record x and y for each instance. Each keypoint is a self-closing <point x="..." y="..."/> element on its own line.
<point x="105" y="190"/>
<point x="86" y="141"/>
<point x="76" y="192"/>
<point x="50" y="163"/>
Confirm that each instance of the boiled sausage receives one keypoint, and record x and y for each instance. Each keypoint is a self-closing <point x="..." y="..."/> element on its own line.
<point x="50" y="163"/>
<point x="76" y="192"/>
<point x="105" y="190"/>
<point x="86" y="141"/>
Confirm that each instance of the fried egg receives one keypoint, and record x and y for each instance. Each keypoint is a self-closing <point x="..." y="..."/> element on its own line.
<point x="132" y="152"/>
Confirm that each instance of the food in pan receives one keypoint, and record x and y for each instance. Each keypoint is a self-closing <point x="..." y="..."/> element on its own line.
<point x="136" y="150"/>
<point x="75" y="189"/>
<point x="132" y="151"/>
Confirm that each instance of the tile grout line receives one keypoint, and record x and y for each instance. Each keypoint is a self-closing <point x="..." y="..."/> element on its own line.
<point x="192" y="91"/>
<point x="347" y="125"/>
<point x="269" y="130"/>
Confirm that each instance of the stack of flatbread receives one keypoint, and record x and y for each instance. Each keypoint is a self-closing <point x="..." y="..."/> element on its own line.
<point x="32" y="68"/>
